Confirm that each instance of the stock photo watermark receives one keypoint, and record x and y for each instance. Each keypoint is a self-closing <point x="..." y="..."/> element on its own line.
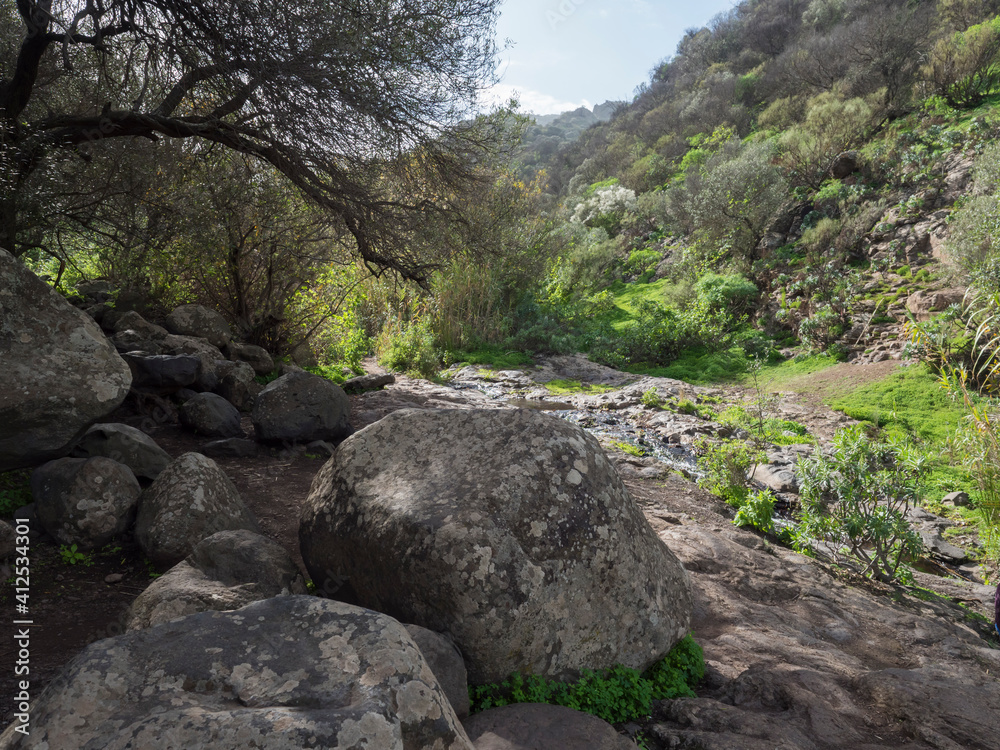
<point x="563" y="12"/>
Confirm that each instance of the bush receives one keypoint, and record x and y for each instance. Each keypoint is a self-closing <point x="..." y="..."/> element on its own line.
<point x="974" y="241"/>
<point x="964" y="68"/>
<point x="616" y="695"/>
<point x="757" y="512"/>
<point x="408" y="347"/>
<point x="726" y="467"/>
<point x="656" y="337"/>
<point x="732" y="293"/>
<point x="857" y="499"/>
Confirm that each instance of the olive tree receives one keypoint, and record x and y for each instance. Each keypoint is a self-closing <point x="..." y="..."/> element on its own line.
<point x="364" y="106"/>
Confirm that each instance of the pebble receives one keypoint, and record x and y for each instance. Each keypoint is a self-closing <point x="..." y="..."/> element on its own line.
<point x="113" y="578"/>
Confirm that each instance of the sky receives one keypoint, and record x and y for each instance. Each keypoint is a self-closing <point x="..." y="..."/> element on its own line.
<point x="565" y="54"/>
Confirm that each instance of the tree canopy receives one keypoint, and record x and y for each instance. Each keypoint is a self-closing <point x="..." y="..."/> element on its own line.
<point x="366" y="106"/>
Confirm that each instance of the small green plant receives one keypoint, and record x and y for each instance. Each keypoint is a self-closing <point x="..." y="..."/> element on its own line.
<point x="725" y="468"/>
<point x="569" y="387"/>
<point x="15" y="491"/>
<point x="757" y="512"/>
<point x="857" y="499"/>
<point x="72" y="555"/>
<point x="652" y="399"/>
<point x="617" y="695"/>
<point x="632" y="450"/>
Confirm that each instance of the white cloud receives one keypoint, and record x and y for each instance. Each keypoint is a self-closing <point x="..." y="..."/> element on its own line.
<point x="534" y="102"/>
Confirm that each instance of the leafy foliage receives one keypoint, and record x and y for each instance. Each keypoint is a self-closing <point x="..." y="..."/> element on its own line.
<point x="616" y="695"/>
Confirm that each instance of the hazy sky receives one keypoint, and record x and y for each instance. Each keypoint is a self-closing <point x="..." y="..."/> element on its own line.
<point x="568" y="53"/>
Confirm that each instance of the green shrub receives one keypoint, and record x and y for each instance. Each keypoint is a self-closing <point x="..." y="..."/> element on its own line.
<point x="615" y="695"/>
<point x="656" y="337"/>
<point x="964" y="68"/>
<point x="857" y="499"/>
<point x="725" y="468"/>
<point x="757" y="512"/>
<point x="408" y="347"/>
<point x="732" y="293"/>
<point x="652" y="399"/>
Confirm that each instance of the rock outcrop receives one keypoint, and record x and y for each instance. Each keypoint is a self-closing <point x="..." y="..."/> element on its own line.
<point x="538" y="726"/>
<point x="60" y="373"/>
<point x="288" y="672"/>
<point x="508" y="530"/>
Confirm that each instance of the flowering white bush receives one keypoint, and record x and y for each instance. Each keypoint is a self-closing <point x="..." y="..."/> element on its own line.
<point x="614" y="199"/>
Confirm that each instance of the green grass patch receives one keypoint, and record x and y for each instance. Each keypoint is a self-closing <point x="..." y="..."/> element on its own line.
<point x="570" y="387"/>
<point x="702" y="367"/>
<point x="15" y="491"/>
<point x="492" y="358"/>
<point x="628" y="297"/>
<point x="909" y="402"/>
<point x="632" y="450"/>
<point x="333" y="373"/>
<point x="776" y="431"/>
<point x="774" y="376"/>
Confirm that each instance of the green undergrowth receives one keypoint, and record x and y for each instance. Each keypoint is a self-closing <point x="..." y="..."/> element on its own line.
<point x="702" y="367"/>
<point x="629" y="297"/>
<point x="569" y="387"/>
<point x="616" y="695"/>
<point x="775" y="375"/>
<point x="775" y="431"/>
<point x="909" y="403"/>
<point x="491" y="358"/>
<point x="15" y="491"/>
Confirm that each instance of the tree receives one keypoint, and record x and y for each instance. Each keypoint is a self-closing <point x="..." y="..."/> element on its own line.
<point x="965" y="68"/>
<point x="364" y="106"/>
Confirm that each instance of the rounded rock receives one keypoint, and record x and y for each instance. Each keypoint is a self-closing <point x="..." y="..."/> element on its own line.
<point x="299" y="408"/>
<point x="508" y="530"/>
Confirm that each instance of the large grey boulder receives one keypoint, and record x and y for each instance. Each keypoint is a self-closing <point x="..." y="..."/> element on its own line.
<point x="208" y="354"/>
<point x="288" y="672"/>
<point x="226" y="571"/>
<point x="191" y="500"/>
<point x="133" y="321"/>
<point x="59" y="375"/>
<point x="200" y="321"/>
<point x="237" y="384"/>
<point x="212" y="416"/>
<point x="126" y="445"/>
<point x="508" y="530"/>
<point x="300" y="408"/>
<point x="84" y="501"/>
<point x="539" y="726"/>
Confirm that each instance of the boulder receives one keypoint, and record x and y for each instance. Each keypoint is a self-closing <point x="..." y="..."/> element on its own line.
<point x="777" y="477"/>
<point x="133" y="341"/>
<point x="447" y="664"/>
<point x="539" y="726"/>
<point x="208" y="354"/>
<point x="508" y="530"/>
<point x="255" y="356"/>
<point x="163" y="372"/>
<point x="230" y="448"/>
<point x="237" y="384"/>
<point x="133" y="321"/>
<point x="199" y="321"/>
<point x="299" y="408"/>
<point x="924" y="304"/>
<point x="369" y="383"/>
<point x="212" y="416"/>
<point x="84" y="501"/>
<point x="190" y="500"/>
<point x="287" y="672"/>
<point x="959" y="499"/>
<point x="60" y="374"/>
<point x="126" y="445"/>
<point x="226" y="571"/>
<point x="846" y="164"/>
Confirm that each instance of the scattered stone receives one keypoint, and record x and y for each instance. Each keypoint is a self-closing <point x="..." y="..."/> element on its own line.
<point x="255" y="356"/>
<point x="942" y="549"/>
<point x="201" y="322"/>
<point x="114" y="578"/>
<point x="191" y="500"/>
<point x="776" y="477"/>
<point x="320" y="447"/>
<point x="97" y="290"/>
<point x="958" y="499"/>
<point x="226" y="571"/>
<point x="212" y="416"/>
<point x="924" y="304"/>
<point x="447" y="664"/>
<point x="230" y="448"/>
<point x="287" y="672"/>
<point x="84" y="501"/>
<point x="368" y="383"/>
<point x="133" y="321"/>
<point x="162" y="372"/>
<point x="237" y="384"/>
<point x="60" y="373"/>
<point x="126" y="445"/>
<point x="539" y="726"/>
<point x="300" y="408"/>
<point x="507" y="529"/>
<point x="133" y="341"/>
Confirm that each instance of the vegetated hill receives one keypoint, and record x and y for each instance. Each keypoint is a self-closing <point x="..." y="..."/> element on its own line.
<point x="547" y="134"/>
